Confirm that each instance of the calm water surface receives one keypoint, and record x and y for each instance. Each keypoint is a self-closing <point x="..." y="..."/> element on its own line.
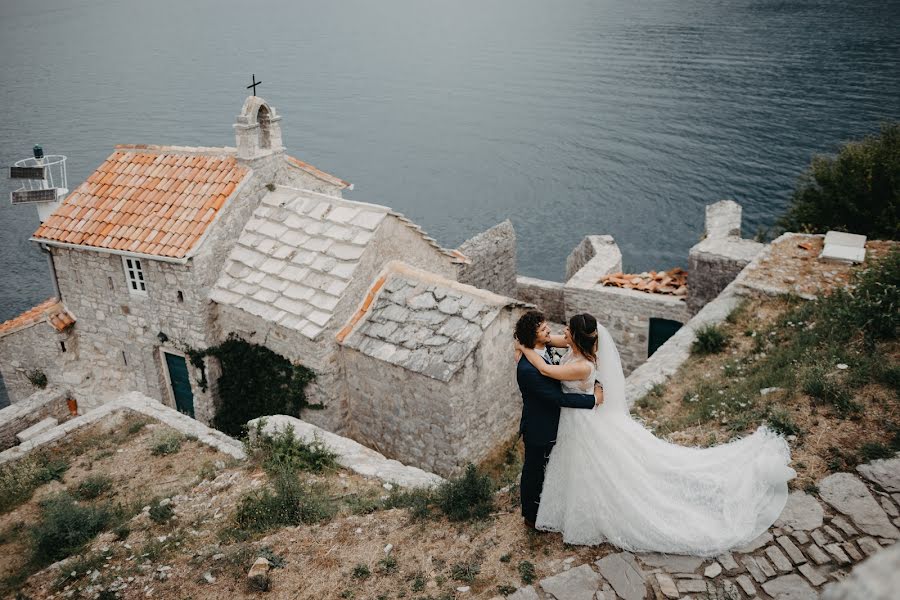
<point x="570" y="117"/>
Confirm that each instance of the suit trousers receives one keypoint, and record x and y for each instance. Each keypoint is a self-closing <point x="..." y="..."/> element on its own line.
<point x="536" y="457"/>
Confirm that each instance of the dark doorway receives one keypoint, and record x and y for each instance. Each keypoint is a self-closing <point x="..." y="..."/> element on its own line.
<point x="181" y="383"/>
<point x="660" y="331"/>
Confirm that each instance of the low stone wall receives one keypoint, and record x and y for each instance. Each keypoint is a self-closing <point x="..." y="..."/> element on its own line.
<point x="493" y="260"/>
<point x="547" y="296"/>
<point x="350" y="454"/>
<point x="135" y="402"/>
<point x="713" y="264"/>
<point x="669" y="357"/>
<point x="626" y="314"/>
<point x="50" y="402"/>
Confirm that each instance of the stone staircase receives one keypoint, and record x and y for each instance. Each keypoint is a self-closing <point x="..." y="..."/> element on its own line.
<point x="816" y="542"/>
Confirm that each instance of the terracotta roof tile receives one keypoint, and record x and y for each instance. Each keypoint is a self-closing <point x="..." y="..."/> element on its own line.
<point x="51" y="311"/>
<point x="672" y="282"/>
<point x="136" y="191"/>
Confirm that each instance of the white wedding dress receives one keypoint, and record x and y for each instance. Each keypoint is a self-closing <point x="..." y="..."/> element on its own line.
<point x="611" y="480"/>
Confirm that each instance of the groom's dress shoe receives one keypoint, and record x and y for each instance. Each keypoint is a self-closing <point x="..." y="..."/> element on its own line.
<point x="529" y="524"/>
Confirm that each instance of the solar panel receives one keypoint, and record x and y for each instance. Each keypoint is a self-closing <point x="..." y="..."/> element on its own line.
<point x="27" y="173"/>
<point x="29" y="196"/>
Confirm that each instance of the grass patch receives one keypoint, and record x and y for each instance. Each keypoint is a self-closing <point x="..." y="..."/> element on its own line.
<point x="469" y="497"/>
<point x="283" y="451"/>
<point x="526" y="572"/>
<point x="161" y="512"/>
<point x="287" y="503"/>
<point x="166" y="444"/>
<point x="65" y="527"/>
<point x="93" y="487"/>
<point x="20" y="478"/>
<point x="361" y="571"/>
<point x="710" y="339"/>
<point x="465" y="571"/>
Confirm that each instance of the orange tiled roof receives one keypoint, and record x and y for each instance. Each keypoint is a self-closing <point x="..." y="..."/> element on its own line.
<point x="50" y="310"/>
<point x="318" y="173"/>
<point x="673" y="282"/>
<point x="146" y="200"/>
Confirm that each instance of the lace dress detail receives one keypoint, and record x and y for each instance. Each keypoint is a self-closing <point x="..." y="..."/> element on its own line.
<point x="609" y="479"/>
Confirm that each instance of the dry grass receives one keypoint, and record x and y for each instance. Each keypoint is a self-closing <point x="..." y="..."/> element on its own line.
<point x="690" y="411"/>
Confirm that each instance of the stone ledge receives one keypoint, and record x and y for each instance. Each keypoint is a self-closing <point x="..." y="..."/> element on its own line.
<point x="351" y="454"/>
<point x="135" y="402"/>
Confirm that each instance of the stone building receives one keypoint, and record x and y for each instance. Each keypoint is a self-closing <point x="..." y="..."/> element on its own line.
<point x="299" y="270"/>
<point x="167" y="249"/>
<point x="135" y="251"/>
<point x="447" y="346"/>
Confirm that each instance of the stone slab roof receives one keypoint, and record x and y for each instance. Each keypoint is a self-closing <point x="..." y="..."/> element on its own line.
<point x="296" y="256"/>
<point x="51" y="311"/>
<point x="147" y="200"/>
<point x="421" y="321"/>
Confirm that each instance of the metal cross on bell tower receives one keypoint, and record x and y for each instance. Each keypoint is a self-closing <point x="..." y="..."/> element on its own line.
<point x="254" y="84"/>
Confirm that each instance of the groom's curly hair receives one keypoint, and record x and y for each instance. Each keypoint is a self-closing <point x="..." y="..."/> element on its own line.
<point x="527" y="326"/>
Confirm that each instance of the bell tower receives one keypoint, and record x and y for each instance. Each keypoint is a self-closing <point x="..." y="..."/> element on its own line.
<point x="257" y="130"/>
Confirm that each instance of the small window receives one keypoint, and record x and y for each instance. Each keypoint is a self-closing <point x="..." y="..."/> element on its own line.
<point x="134" y="275"/>
<point x="62" y="346"/>
<point x="180" y="296"/>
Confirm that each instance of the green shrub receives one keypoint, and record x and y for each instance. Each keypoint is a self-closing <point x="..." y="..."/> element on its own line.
<point x="283" y="451"/>
<point x="506" y="590"/>
<point x="388" y="565"/>
<point x="93" y="487"/>
<point x="168" y="443"/>
<point x="361" y="571"/>
<point x="37" y="378"/>
<point x="255" y="382"/>
<point x="817" y="383"/>
<point x="161" y="513"/>
<point x="137" y="426"/>
<point x="781" y="422"/>
<point x="418" y="582"/>
<point x="466" y="571"/>
<point x="20" y="478"/>
<point x="290" y="502"/>
<point x="418" y="500"/>
<point x="710" y="339"/>
<point x="526" y="572"/>
<point x="875" y="450"/>
<point x="65" y="526"/>
<point x="858" y="190"/>
<point x="468" y="497"/>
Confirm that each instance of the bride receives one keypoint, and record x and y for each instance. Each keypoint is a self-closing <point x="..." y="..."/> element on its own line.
<point x="611" y="480"/>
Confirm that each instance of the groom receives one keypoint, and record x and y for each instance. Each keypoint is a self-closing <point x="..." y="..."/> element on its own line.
<point x="542" y="398"/>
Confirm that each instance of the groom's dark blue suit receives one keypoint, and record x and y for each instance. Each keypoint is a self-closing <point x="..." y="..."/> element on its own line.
<point x="542" y="397"/>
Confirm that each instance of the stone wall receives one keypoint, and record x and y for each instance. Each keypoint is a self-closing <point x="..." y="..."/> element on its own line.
<point x="493" y="260"/>
<point x="118" y="332"/>
<point x="547" y="296"/>
<point x="716" y="260"/>
<point x="600" y="251"/>
<point x="36" y="348"/>
<point x="50" y="402"/>
<point x="626" y="314"/>
<point x="433" y="425"/>
<point x="114" y="409"/>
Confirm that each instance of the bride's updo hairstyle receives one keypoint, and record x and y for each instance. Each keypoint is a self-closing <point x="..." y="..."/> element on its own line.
<point x="583" y="330"/>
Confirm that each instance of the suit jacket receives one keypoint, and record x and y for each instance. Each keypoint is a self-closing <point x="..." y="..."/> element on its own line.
<point x="542" y="397"/>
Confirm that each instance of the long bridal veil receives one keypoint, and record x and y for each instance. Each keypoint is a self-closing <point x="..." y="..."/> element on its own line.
<point x="610" y="479"/>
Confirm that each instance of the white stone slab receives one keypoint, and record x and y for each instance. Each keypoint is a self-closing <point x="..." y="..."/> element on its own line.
<point x="840" y="238"/>
<point x="843" y="254"/>
<point x="37" y="428"/>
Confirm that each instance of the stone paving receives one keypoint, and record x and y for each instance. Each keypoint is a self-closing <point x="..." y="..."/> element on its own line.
<point x="815" y="544"/>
